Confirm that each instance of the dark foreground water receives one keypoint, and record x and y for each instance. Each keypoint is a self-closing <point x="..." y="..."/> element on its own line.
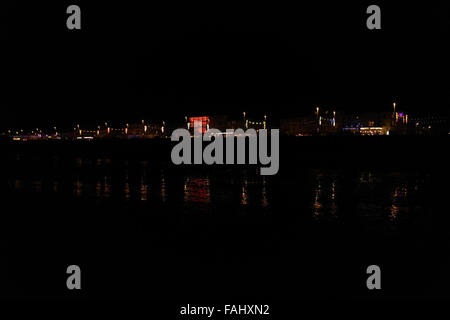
<point x="140" y="227"/>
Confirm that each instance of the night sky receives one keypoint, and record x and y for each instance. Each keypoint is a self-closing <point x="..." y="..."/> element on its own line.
<point x="132" y="62"/>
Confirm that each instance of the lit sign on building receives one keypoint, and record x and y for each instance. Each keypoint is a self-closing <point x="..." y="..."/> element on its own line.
<point x="204" y="123"/>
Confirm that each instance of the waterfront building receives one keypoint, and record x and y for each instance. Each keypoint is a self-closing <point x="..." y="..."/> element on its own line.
<point x="429" y="124"/>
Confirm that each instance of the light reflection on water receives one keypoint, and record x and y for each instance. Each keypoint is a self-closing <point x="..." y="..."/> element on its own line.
<point x="106" y="187"/>
<point x="324" y="196"/>
<point x="55" y="186"/>
<point x="399" y="196"/>
<point x="143" y="190"/>
<point x="163" y="188"/>
<point x="244" y="193"/>
<point x="78" y="186"/>
<point x="371" y="194"/>
<point x="264" y="200"/>
<point x="18" y="185"/>
<point x="196" y="190"/>
<point x="126" y="190"/>
<point x="394" y="194"/>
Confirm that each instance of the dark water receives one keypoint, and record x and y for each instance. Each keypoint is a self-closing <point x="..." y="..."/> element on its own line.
<point x="385" y="197"/>
<point x="141" y="229"/>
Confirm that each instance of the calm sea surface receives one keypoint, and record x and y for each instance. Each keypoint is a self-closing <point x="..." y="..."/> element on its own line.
<point x="389" y="197"/>
<point x="166" y="232"/>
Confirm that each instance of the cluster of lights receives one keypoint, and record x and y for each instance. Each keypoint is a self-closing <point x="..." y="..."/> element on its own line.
<point x="78" y="133"/>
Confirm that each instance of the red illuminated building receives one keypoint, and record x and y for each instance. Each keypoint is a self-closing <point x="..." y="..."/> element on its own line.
<point x="202" y="124"/>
